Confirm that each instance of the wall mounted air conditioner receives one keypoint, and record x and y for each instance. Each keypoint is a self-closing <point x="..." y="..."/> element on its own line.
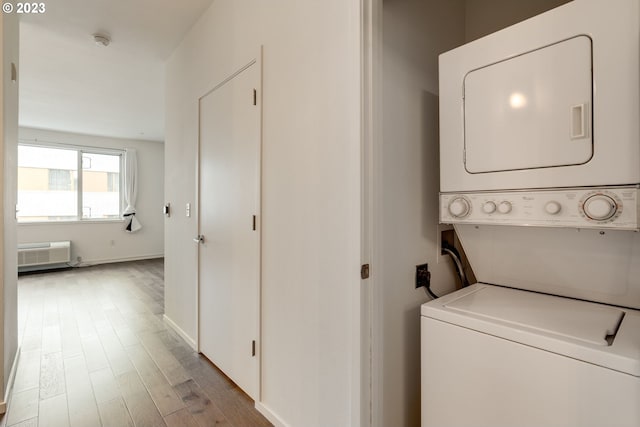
<point x="43" y="254"/>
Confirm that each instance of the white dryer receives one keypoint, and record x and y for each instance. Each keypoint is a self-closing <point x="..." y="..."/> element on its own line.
<point x="540" y="176"/>
<point x="549" y="102"/>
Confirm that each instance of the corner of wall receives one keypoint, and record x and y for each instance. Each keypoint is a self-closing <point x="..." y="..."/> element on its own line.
<point x="10" y="381"/>
<point x="188" y="339"/>
<point x="9" y="118"/>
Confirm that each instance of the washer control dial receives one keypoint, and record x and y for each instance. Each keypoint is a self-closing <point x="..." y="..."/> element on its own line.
<point x="552" y="207"/>
<point x="600" y="207"/>
<point x="489" y="207"/>
<point x="504" y="207"/>
<point x="459" y="207"/>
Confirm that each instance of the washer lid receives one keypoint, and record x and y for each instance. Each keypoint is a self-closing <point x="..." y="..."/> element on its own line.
<point x="595" y="333"/>
<point x="579" y="320"/>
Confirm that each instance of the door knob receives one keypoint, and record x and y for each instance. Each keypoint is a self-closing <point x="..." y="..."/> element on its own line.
<point x="199" y="239"/>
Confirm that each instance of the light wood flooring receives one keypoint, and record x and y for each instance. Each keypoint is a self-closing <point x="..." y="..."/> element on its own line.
<point x="95" y="352"/>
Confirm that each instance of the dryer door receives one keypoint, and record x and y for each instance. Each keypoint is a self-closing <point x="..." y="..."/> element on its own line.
<point x="530" y="111"/>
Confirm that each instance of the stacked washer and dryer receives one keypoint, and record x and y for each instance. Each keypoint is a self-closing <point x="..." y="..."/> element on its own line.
<point x="540" y="175"/>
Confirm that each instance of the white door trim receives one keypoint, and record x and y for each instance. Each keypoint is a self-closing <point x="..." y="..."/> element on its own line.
<point x="371" y="297"/>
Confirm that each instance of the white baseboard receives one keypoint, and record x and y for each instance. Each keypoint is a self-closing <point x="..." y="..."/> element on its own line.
<point x="270" y="415"/>
<point x="192" y="343"/>
<point x="12" y="377"/>
<point x="90" y="262"/>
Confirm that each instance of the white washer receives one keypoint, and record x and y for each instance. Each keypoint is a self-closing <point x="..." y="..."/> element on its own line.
<point x="501" y="357"/>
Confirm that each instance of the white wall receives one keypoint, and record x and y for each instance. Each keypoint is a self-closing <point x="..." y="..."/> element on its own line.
<point x="487" y="16"/>
<point x="93" y="241"/>
<point x="8" y="177"/>
<point x="310" y="193"/>
<point x="415" y="32"/>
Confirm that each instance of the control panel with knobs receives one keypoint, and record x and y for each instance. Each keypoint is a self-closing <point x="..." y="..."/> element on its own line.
<point x="607" y="207"/>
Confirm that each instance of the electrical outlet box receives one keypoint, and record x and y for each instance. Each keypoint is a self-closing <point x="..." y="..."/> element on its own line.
<point x="445" y="236"/>
<point x="423" y="276"/>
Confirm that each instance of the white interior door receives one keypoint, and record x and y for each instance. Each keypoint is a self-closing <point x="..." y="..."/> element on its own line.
<point x="229" y="204"/>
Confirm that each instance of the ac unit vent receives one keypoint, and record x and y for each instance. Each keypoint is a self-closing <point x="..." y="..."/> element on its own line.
<point x="46" y="253"/>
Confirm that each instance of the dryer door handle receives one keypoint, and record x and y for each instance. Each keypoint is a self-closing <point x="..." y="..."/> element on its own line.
<point x="579" y="121"/>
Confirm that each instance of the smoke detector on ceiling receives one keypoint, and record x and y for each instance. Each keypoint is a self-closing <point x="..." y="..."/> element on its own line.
<point x="102" y="40"/>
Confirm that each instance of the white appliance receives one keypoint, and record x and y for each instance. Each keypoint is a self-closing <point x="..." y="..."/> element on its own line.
<point x="549" y="102"/>
<point x="44" y="254"/>
<point x="495" y="356"/>
<point x="540" y="174"/>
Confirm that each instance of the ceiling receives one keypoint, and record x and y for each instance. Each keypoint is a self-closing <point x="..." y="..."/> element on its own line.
<point x="67" y="83"/>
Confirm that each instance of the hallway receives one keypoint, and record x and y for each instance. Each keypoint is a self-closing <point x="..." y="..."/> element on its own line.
<point x="95" y="352"/>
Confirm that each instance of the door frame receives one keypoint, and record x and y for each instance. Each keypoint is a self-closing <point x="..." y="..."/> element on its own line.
<point x="257" y="61"/>
<point x="371" y="318"/>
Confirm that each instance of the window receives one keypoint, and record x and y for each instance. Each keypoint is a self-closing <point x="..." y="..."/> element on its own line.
<point x="68" y="184"/>
<point x="60" y="179"/>
<point x="100" y="198"/>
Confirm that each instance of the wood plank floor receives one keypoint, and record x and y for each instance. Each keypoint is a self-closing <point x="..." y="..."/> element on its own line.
<point x="95" y="352"/>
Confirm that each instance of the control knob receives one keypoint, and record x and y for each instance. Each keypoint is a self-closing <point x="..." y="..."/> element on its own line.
<point x="489" y="207"/>
<point x="504" y="207"/>
<point x="552" y="207"/>
<point x="459" y="207"/>
<point x="600" y="207"/>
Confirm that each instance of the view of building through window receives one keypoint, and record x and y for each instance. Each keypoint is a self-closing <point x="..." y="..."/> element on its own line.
<point x="50" y="187"/>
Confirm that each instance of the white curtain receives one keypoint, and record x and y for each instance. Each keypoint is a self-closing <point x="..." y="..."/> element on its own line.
<point x="131" y="190"/>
